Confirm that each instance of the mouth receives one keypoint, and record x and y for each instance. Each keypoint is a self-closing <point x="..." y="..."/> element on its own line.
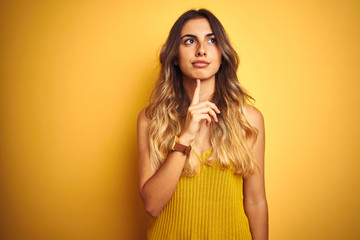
<point x="200" y="63"/>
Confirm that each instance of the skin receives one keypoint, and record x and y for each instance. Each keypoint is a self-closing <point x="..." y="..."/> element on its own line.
<point x="157" y="187"/>
<point x="198" y="44"/>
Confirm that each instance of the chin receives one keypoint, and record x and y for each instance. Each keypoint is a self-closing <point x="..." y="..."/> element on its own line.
<point x="202" y="76"/>
<point x="199" y="75"/>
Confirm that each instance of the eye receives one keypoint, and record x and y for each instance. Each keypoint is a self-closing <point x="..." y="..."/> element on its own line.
<point x="212" y="40"/>
<point x="189" y="41"/>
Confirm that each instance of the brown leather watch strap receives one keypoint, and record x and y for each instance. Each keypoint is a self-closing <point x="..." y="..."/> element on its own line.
<point x="180" y="147"/>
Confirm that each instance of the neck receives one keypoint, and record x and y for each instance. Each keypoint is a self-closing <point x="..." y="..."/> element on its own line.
<point x="207" y="88"/>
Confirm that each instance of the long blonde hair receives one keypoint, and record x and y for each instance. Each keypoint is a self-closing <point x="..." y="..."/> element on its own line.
<point x="232" y="137"/>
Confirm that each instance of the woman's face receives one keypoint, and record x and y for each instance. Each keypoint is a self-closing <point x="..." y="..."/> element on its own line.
<point x="199" y="56"/>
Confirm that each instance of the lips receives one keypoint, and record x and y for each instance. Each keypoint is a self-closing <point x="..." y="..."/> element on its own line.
<point x="200" y="63"/>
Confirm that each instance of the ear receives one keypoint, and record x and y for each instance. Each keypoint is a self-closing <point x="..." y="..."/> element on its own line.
<point x="176" y="63"/>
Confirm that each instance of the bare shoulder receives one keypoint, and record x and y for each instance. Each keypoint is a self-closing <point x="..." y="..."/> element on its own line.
<point x="143" y="123"/>
<point x="145" y="169"/>
<point x="254" y="116"/>
<point x="143" y="120"/>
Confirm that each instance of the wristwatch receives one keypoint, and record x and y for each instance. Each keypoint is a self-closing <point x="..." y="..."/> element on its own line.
<point x="176" y="146"/>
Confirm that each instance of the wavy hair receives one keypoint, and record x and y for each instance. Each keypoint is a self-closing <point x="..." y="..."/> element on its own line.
<point x="232" y="138"/>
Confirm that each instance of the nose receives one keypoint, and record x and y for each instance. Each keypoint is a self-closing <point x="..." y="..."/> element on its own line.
<point x="201" y="51"/>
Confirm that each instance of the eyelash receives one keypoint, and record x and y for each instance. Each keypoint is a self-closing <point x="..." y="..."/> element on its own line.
<point x="190" y="39"/>
<point x="213" y="39"/>
<point x="187" y="41"/>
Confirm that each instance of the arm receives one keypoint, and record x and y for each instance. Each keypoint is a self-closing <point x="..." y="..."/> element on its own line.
<point x="255" y="203"/>
<point x="157" y="187"/>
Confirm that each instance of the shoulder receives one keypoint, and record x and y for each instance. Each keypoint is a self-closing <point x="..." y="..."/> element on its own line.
<point x="143" y="119"/>
<point x="254" y="116"/>
<point x="143" y="115"/>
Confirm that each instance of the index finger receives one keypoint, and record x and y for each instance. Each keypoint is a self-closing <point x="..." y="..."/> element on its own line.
<point x="196" y="97"/>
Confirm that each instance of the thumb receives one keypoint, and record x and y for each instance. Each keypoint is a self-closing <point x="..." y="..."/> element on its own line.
<point x="196" y="97"/>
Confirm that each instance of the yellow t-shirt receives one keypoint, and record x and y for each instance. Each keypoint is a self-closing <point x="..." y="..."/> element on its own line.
<point x="206" y="206"/>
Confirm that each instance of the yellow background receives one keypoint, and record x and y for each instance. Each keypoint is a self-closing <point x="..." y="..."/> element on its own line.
<point x="75" y="74"/>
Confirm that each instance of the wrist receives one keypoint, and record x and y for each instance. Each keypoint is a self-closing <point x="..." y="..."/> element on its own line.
<point x="185" y="140"/>
<point x="177" y="146"/>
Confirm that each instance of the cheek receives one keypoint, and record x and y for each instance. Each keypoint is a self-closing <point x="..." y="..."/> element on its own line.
<point x="218" y="59"/>
<point x="184" y="61"/>
<point x="185" y="53"/>
<point x="219" y="55"/>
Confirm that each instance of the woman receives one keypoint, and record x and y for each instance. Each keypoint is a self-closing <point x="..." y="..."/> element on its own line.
<point x="200" y="144"/>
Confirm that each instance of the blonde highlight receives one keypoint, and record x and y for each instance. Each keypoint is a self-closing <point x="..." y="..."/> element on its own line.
<point x="232" y="137"/>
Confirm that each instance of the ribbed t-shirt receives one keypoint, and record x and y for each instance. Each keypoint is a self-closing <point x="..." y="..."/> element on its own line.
<point x="208" y="206"/>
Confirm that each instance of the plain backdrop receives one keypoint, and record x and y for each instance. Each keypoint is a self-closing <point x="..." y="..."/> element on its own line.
<point x="75" y="74"/>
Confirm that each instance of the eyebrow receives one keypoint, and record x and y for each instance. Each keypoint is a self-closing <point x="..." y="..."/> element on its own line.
<point x="194" y="36"/>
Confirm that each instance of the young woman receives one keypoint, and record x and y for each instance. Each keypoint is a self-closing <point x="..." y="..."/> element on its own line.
<point x="200" y="144"/>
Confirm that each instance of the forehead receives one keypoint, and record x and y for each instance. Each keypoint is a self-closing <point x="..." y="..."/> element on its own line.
<point x="196" y="26"/>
